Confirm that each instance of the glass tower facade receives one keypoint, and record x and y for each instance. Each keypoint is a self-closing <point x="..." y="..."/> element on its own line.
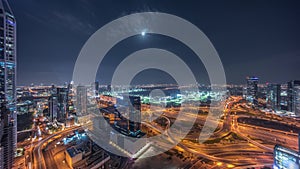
<point x="8" y="115"/>
<point x="274" y="96"/>
<point x="62" y="99"/>
<point x="81" y="100"/>
<point x="252" y="89"/>
<point x="294" y="97"/>
<point x="53" y="107"/>
<point x="135" y="115"/>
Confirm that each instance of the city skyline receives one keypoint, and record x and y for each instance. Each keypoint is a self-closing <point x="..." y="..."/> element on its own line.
<point x="150" y="103"/>
<point x="248" y="37"/>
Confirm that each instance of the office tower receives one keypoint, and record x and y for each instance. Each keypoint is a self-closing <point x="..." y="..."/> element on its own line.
<point x="8" y="115"/>
<point x="53" y="107"/>
<point x="62" y="100"/>
<point x="273" y="96"/>
<point x="252" y="89"/>
<point x="134" y="115"/>
<point x="284" y="97"/>
<point x="70" y="91"/>
<point x="1" y="153"/>
<point x="96" y="88"/>
<point x="81" y="100"/>
<point x="109" y="89"/>
<point x="1" y="148"/>
<point x="294" y="97"/>
<point x="70" y="105"/>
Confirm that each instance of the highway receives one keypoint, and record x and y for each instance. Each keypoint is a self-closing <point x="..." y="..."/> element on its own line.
<point x="234" y="144"/>
<point x="241" y="153"/>
<point x="38" y="157"/>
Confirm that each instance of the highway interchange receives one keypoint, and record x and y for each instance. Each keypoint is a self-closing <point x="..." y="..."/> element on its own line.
<point x="252" y="147"/>
<point x="232" y="145"/>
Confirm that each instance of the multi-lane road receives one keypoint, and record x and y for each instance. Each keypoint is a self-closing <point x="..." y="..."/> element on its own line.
<point x="254" y="147"/>
<point x="39" y="161"/>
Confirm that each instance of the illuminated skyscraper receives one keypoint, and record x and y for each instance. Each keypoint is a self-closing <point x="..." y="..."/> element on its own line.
<point x="53" y="107"/>
<point x="284" y="97"/>
<point x="62" y="100"/>
<point x="81" y="100"/>
<point x="8" y="115"/>
<point x="294" y="97"/>
<point x="70" y="107"/>
<point x="273" y="96"/>
<point x="135" y="115"/>
<point x="252" y="89"/>
<point x="96" y="88"/>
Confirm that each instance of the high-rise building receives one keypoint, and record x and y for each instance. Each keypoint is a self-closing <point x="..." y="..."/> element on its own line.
<point x="135" y="115"/>
<point x="1" y="148"/>
<point x="62" y="100"/>
<point x="252" y="89"/>
<point x="284" y="97"/>
<point x="53" y="107"/>
<point x="128" y="115"/>
<point x="96" y="88"/>
<point x="70" y="105"/>
<point x="81" y="100"/>
<point x="294" y="97"/>
<point x="8" y="115"/>
<point x="273" y="96"/>
<point x="109" y="88"/>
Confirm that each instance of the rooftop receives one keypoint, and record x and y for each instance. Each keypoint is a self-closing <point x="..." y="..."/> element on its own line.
<point x="72" y="151"/>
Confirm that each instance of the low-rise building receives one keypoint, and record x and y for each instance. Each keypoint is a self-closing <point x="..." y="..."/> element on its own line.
<point x="73" y="156"/>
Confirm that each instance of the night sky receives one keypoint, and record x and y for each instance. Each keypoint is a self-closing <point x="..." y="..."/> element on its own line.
<point x="260" y="38"/>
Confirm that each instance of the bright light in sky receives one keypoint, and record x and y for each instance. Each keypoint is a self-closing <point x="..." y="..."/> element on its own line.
<point x="143" y="33"/>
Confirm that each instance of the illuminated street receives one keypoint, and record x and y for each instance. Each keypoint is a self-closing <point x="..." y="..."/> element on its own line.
<point x="87" y="84"/>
